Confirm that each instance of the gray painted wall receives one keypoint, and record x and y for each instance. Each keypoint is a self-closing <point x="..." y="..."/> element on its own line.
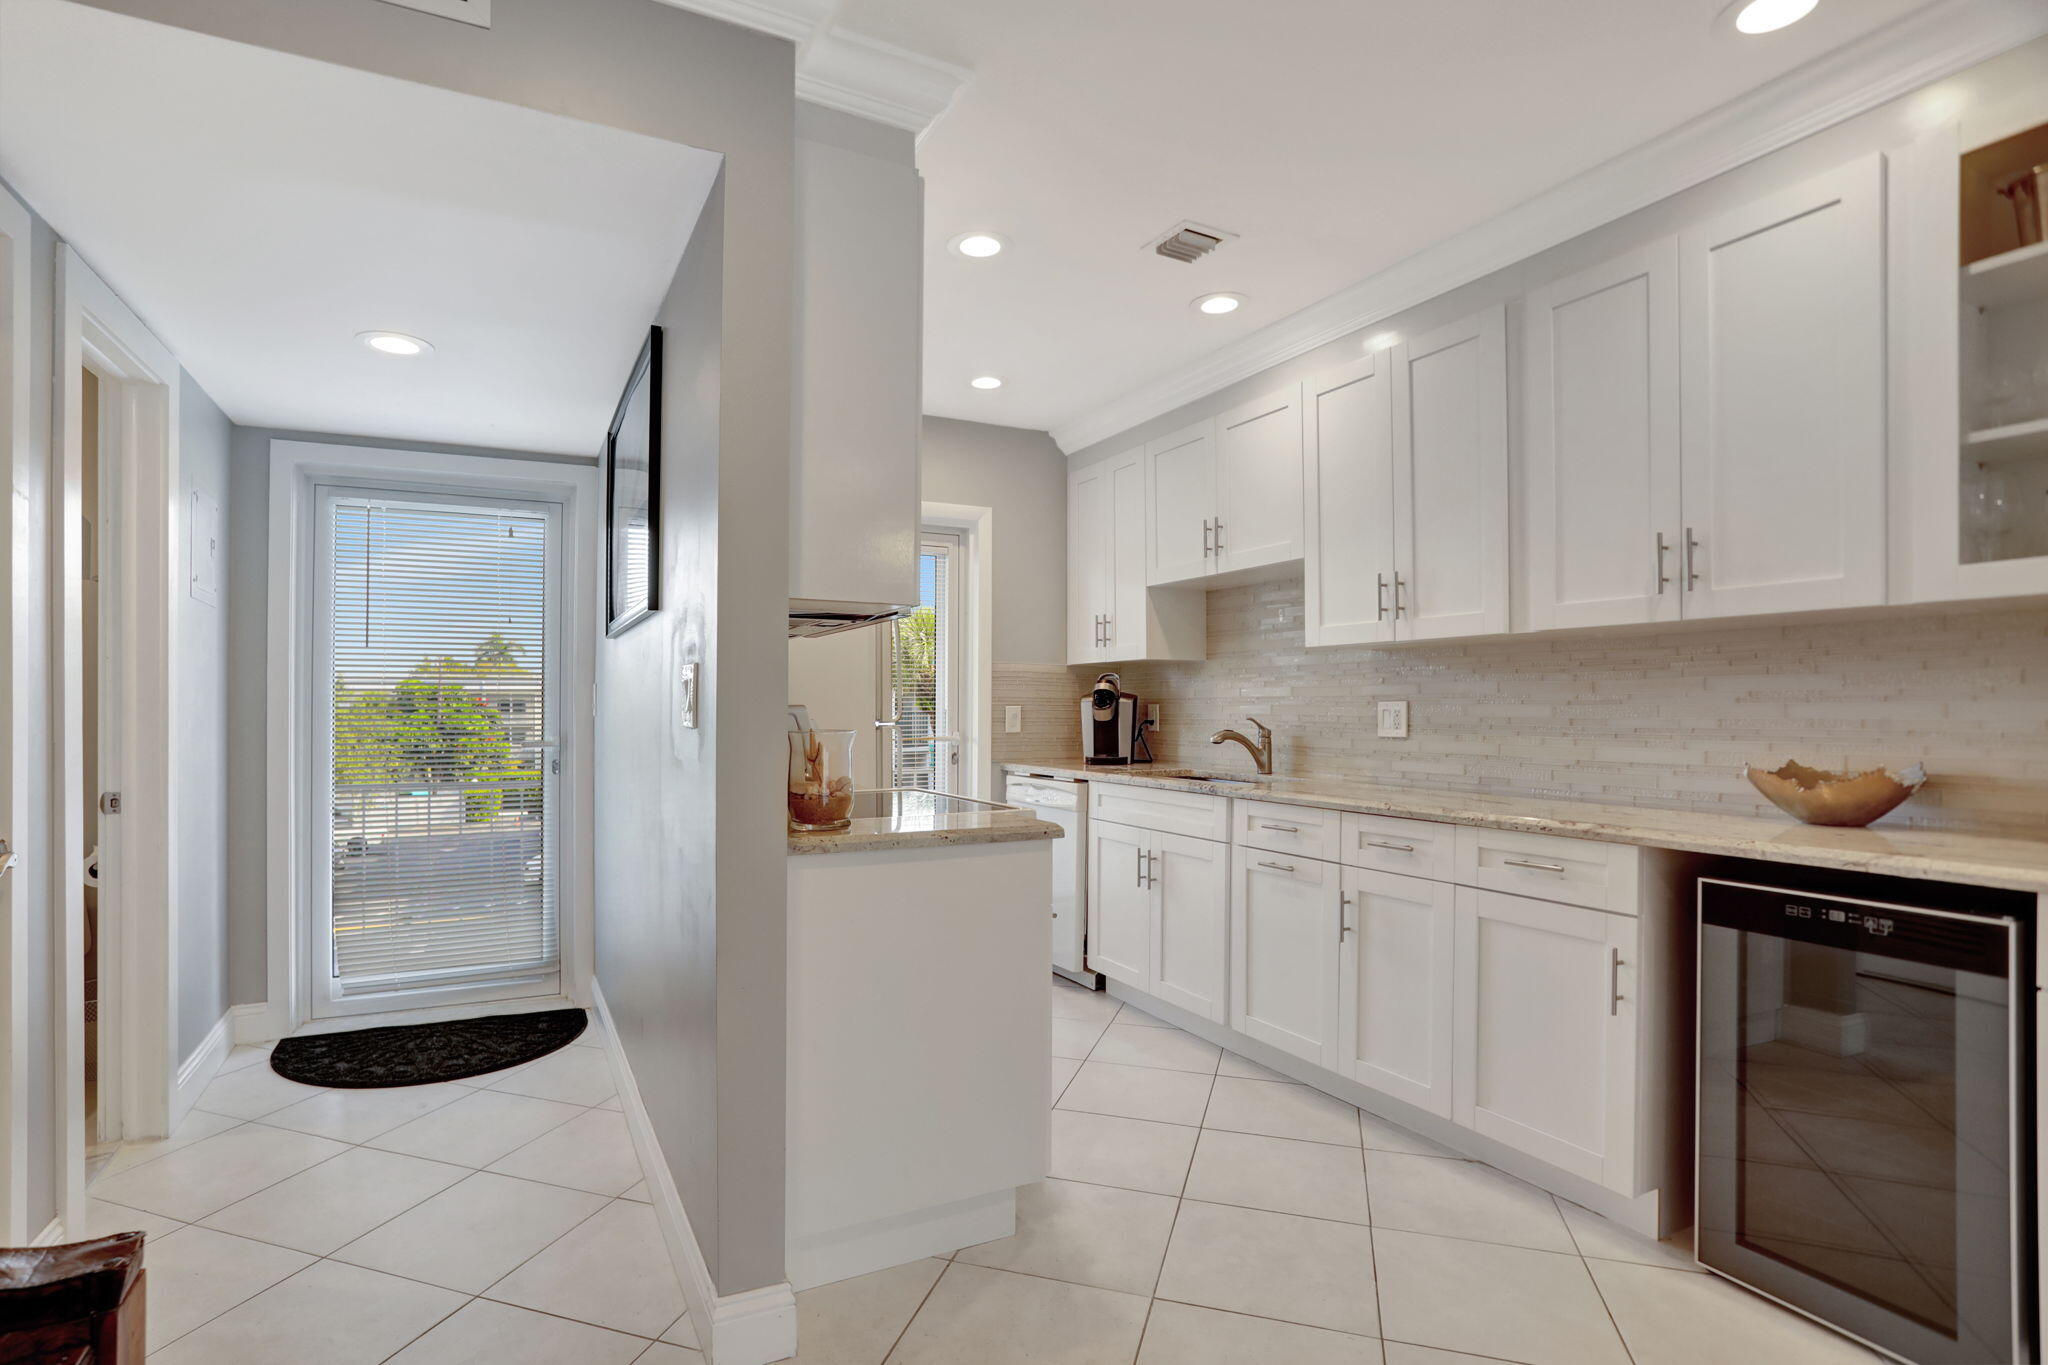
<point x="716" y="1091"/>
<point x="1022" y="475"/>
<point x="199" y="757"/>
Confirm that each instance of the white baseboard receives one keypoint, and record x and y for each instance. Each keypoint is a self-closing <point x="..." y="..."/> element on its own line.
<point x="751" y="1328"/>
<point x="256" y="1024"/>
<point x="847" y="1252"/>
<point x="197" y="1071"/>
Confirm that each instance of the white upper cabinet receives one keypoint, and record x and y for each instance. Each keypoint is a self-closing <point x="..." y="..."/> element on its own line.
<point x="1258" y="482"/>
<point x="1111" y="615"/>
<point x="1180" y="504"/>
<point x="1602" y="531"/>
<point x="1451" y="480"/>
<point x="1348" y="512"/>
<point x="1783" y="302"/>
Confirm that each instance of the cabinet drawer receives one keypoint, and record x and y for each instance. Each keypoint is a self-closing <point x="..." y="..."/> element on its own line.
<point x="1413" y="848"/>
<point x="1285" y="829"/>
<point x="1552" y="868"/>
<point x="1161" y="809"/>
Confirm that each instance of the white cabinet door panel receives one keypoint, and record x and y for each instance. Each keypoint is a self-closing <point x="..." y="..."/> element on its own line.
<point x="1180" y="504"/>
<point x="1546" y="1049"/>
<point x="1258" y="482"/>
<point x="1348" y="517"/>
<point x="1089" y="511"/>
<point x="1396" y="986"/>
<point x="1784" y="399"/>
<point x="1451" y="480"/>
<point x="1601" y="444"/>
<point x="1191" y="927"/>
<point x="1283" y="954"/>
<point x="1124" y="596"/>
<point x="1119" y="904"/>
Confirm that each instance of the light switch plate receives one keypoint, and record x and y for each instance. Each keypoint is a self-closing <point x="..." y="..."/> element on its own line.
<point x="1393" y="720"/>
<point x="1013" y="719"/>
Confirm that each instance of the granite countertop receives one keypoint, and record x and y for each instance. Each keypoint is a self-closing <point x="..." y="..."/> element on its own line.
<point x="1930" y="854"/>
<point x="923" y="829"/>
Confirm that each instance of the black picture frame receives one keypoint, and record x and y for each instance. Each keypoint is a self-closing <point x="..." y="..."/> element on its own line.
<point x="632" y="496"/>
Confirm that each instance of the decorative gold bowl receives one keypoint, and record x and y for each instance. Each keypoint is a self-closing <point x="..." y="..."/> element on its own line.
<point x="1825" y="798"/>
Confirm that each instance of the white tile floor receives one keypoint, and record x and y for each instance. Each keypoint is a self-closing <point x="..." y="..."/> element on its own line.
<point x="1201" y="1211"/>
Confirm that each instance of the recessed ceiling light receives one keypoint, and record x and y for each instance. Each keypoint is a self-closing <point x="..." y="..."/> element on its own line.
<point x="979" y="245"/>
<point x="1767" y="16"/>
<point x="393" y="343"/>
<point x="1218" y="304"/>
<point x="987" y="381"/>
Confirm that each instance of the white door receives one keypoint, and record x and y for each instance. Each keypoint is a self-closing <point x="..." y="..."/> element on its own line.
<point x="1546" y="1036"/>
<point x="1396" y="986"/>
<point x="1601" y="444"/>
<point x="1451" y="480"/>
<point x="1258" y="482"/>
<point x="1283" y="954"/>
<point x="1089" y="515"/>
<point x="1124" y="595"/>
<point x="924" y="671"/>
<point x="1191" y="934"/>
<point x="438" y="630"/>
<point x="1784" y="400"/>
<point x="17" y="647"/>
<point x="1180" y="504"/>
<point x="1348" y="507"/>
<point x="1120" y="904"/>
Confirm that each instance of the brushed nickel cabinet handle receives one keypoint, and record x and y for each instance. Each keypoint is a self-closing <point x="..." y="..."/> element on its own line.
<point x="1399" y="605"/>
<point x="1692" y="573"/>
<point x="1663" y="579"/>
<point x="1219" y="537"/>
<point x="1397" y="848"/>
<point x="1283" y="829"/>
<point x="1381" y="598"/>
<point x="1532" y="863"/>
<point x="1207" y="548"/>
<point x="1343" y="923"/>
<point x="1279" y="867"/>
<point x="1613" y="982"/>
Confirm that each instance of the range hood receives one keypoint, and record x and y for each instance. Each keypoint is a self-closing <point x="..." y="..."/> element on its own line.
<point x="808" y="618"/>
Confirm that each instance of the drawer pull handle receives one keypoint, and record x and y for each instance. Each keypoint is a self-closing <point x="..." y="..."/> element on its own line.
<point x="1388" y="844"/>
<point x="1532" y="863"/>
<point x="1279" y="867"/>
<point x="1284" y="829"/>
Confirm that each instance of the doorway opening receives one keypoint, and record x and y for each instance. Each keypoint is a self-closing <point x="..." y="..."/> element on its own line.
<point x="93" y="640"/>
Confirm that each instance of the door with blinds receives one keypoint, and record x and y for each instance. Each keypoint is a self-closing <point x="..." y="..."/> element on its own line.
<point x="921" y="661"/>
<point x="437" y="633"/>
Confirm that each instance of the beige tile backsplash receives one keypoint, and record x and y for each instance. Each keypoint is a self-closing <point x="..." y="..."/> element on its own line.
<point x="1655" y="716"/>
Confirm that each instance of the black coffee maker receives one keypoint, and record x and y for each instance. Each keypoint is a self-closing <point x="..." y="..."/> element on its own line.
<point x="1112" y="728"/>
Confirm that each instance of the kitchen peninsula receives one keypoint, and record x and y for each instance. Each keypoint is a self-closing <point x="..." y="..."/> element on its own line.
<point x="918" y="1019"/>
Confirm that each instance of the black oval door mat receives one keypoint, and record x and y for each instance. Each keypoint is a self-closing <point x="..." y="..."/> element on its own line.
<point x="420" y="1054"/>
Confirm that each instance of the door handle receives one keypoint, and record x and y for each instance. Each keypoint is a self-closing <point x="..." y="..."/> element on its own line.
<point x="1279" y="867"/>
<point x="1663" y="579"/>
<point x="1108" y="630"/>
<point x="1692" y="546"/>
<point x="1207" y="548"/>
<point x="1343" y="922"/>
<point x="1151" y="876"/>
<point x="1382" y="843"/>
<point x="1613" y="982"/>
<point x="1282" y="829"/>
<point x="1138" y="868"/>
<point x="1399" y="584"/>
<point x="1533" y="864"/>
<point x="1219" y="537"/>
<point x="1381" y="598"/>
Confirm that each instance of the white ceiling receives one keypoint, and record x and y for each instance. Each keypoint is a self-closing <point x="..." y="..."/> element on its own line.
<point x="1335" y="136"/>
<point x="259" y="210"/>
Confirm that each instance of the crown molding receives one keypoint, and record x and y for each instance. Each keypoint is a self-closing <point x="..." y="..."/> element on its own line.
<point x="876" y="80"/>
<point x="843" y="70"/>
<point x="1921" y="48"/>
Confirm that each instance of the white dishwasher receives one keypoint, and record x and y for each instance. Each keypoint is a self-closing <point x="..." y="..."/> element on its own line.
<point x="1063" y="801"/>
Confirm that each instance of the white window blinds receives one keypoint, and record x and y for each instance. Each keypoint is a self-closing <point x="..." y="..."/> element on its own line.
<point x="919" y="669"/>
<point x="442" y="840"/>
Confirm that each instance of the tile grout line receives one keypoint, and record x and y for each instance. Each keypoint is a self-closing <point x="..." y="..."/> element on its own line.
<point x="905" y="1331"/>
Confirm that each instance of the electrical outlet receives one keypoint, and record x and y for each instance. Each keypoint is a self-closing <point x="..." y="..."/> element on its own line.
<point x="1152" y="714"/>
<point x="1393" y="718"/>
<point x="1013" y="719"/>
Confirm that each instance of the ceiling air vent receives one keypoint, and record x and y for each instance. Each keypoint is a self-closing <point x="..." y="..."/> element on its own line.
<point x="1190" y="242"/>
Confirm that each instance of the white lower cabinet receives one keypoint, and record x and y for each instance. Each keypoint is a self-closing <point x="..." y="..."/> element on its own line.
<point x="1395" y="986"/>
<point x="1546" y="1031"/>
<point x="1284" y="926"/>
<point x="1119" y="904"/>
<point x="1158" y="914"/>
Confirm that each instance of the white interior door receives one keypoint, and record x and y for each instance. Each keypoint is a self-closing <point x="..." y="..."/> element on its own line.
<point x="1258" y="482"/>
<point x="924" y="665"/>
<point x="1180" y="504"/>
<point x="438" y="633"/>
<point x="1784" y="399"/>
<point x="1451" y="480"/>
<point x="1601" y="444"/>
<point x="1348" y="504"/>
<point x="16" y="612"/>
